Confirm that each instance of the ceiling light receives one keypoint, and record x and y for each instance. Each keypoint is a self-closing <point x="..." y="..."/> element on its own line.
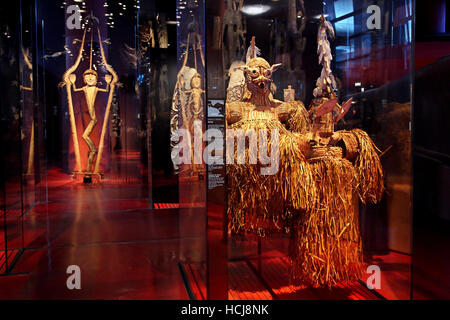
<point x="255" y="9"/>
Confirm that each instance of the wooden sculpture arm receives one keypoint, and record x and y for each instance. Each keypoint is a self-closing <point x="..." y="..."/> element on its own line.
<point x="104" y="90"/>
<point x="75" y="89"/>
<point x="26" y="88"/>
<point x="72" y="79"/>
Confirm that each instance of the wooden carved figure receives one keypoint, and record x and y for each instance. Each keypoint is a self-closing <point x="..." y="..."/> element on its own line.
<point x="90" y="91"/>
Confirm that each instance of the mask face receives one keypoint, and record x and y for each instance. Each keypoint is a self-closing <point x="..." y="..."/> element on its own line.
<point x="90" y="79"/>
<point x="259" y="73"/>
<point x="196" y="82"/>
<point x="258" y="77"/>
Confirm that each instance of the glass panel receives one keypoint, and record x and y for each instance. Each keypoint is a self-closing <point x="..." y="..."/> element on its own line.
<point x="93" y="113"/>
<point x="26" y="99"/>
<point x="12" y="138"/>
<point x="95" y="131"/>
<point x="292" y="246"/>
<point x="431" y="151"/>
<point x="378" y="78"/>
<point x="87" y="127"/>
<point x="187" y="124"/>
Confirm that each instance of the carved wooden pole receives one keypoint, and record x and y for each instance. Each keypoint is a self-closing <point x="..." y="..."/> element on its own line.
<point x="108" y="106"/>
<point x="68" y="84"/>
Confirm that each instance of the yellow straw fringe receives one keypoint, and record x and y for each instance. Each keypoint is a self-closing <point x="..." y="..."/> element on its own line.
<point x="326" y="247"/>
<point x="368" y="167"/>
<point x="299" y="119"/>
<point x="262" y="204"/>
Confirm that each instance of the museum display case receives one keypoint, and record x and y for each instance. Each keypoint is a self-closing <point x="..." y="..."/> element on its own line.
<point x="343" y="120"/>
<point x="196" y="149"/>
<point x="94" y="81"/>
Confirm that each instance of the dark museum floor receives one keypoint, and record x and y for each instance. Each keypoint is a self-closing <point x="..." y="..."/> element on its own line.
<point x="127" y="250"/>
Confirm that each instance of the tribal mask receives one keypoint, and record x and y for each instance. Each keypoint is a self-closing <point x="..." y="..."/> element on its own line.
<point x="258" y="73"/>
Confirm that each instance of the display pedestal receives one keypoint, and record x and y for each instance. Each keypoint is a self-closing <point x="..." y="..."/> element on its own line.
<point x="87" y="179"/>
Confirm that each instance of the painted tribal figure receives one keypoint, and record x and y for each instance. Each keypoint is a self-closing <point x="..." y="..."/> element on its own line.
<point x="90" y="91"/>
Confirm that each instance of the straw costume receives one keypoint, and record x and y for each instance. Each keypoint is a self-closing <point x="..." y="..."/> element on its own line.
<point x="265" y="203"/>
<point x="326" y="245"/>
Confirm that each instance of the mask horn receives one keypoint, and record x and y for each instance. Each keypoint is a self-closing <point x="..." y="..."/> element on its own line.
<point x="275" y="67"/>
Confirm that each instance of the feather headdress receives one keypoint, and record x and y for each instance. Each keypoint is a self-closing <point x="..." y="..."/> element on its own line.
<point x="252" y="51"/>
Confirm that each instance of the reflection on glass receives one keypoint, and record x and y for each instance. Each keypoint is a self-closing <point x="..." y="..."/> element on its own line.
<point x="16" y="137"/>
<point x="373" y="67"/>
